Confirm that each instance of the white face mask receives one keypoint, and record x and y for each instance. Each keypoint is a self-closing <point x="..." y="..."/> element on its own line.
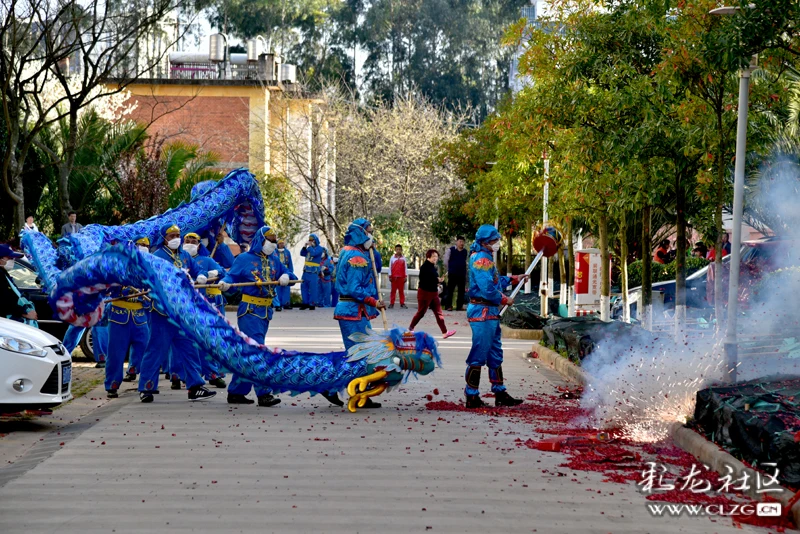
<point x="174" y="243"/>
<point x="9" y="265"/>
<point x="190" y="248"/>
<point x="268" y="247"/>
<point x="281" y="248"/>
<point x="496" y="247"/>
<point x="204" y="241"/>
<point x="143" y="249"/>
<point x="368" y="244"/>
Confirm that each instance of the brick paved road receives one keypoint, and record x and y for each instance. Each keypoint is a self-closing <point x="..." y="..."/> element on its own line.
<point x="175" y="466"/>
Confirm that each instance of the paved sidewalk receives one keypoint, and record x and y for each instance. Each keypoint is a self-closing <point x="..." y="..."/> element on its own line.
<point x="308" y="467"/>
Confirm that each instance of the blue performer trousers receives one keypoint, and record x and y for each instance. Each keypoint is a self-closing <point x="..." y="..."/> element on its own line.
<point x="73" y="337"/>
<point x="211" y="369"/>
<point x="349" y="327"/>
<point x="310" y="288"/>
<point x="126" y="336"/>
<point x="164" y="337"/>
<point x="325" y="293"/>
<point x="255" y="328"/>
<point x="100" y="342"/>
<point x="487" y="349"/>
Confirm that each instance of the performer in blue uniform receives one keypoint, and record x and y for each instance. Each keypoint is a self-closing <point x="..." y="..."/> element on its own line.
<point x="164" y="336"/>
<point x="128" y="327"/>
<point x="135" y="356"/>
<point x="325" y="277"/>
<point x="483" y="313"/>
<point x="312" y="252"/>
<point x="191" y="244"/>
<point x="334" y="293"/>
<point x="355" y="283"/>
<point x="284" y="292"/>
<point x="259" y="264"/>
<point x="220" y="251"/>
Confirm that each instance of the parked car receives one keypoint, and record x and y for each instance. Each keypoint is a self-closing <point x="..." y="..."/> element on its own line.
<point x="30" y="285"/>
<point x="758" y="258"/>
<point x="35" y="369"/>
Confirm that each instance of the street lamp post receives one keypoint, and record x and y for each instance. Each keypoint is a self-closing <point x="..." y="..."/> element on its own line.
<point x="730" y="343"/>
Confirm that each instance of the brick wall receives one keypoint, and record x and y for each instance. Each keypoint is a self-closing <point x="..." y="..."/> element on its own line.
<point x="215" y="123"/>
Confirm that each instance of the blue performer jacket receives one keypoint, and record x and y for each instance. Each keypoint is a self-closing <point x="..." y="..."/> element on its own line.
<point x="255" y="266"/>
<point x="213" y="295"/>
<point x="485" y="283"/>
<point x="355" y="282"/>
<point x="327" y="270"/>
<point x="285" y="257"/>
<point x="223" y="255"/>
<point x="313" y="256"/>
<point x="181" y="260"/>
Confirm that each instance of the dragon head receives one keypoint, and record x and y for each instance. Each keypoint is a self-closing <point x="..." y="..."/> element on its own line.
<point x="392" y="357"/>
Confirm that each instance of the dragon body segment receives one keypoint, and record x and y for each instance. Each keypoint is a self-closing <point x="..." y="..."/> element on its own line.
<point x="387" y="358"/>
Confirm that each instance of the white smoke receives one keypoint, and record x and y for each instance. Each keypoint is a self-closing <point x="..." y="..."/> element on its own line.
<point x="642" y="383"/>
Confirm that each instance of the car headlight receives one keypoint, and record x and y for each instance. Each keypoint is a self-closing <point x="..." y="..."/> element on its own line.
<point x="23" y="347"/>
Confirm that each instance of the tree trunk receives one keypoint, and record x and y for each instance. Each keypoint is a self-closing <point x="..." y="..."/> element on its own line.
<point x="623" y="252"/>
<point x="605" y="260"/>
<point x="12" y="182"/>
<point x="65" y="167"/>
<point x="645" y="311"/>
<point x="680" y="260"/>
<point x="570" y="269"/>
<point x="562" y="277"/>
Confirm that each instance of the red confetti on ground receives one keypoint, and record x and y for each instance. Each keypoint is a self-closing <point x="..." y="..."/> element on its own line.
<point x="436" y="391"/>
<point x="619" y="460"/>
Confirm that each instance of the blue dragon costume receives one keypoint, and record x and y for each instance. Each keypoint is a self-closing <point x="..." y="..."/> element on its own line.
<point x="483" y="313"/>
<point x="79" y="274"/>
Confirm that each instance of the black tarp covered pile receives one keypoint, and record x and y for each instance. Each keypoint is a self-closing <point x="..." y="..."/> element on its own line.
<point x="525" y="312"/>
<point x="579" y="336"/>
<point x="759" y="421"/>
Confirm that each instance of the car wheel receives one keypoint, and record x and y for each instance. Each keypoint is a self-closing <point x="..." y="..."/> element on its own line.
<point x="86" y="344"/>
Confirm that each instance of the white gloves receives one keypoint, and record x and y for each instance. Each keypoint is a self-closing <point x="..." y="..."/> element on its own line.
<point x="224" y="286"/>
<point x="213" y="273"/>
<point x="201" y="279"/>
<point x="284" y="280"/>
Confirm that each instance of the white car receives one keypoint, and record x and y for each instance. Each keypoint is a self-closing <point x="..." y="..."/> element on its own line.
<point x="35" y="369"/>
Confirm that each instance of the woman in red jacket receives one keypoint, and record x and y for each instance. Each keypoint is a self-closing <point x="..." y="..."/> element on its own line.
<point x="428" y="293"/>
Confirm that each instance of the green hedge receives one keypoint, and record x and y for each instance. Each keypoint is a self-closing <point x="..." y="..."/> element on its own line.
<point x="661" y="272"/>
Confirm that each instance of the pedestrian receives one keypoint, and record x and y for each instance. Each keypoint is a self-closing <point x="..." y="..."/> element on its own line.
<point x="129" y="327"/>
<point x="325" y="278"/>
<point x="312" y="252"/>
<point x="29" y="225"/>
<point x="191" y="244"/>
<point x="428" y="293"/>
<point x="12" y="304"/>
<point x="662" y="253"/>
<point x="261" y="264"/>
<point x="71" y="227"/>
<point x="358" y="292"/>
<point x="398" y="274"/>
<point x="726" y="248"/>
<point x="284" y="293"/>
<point x="483" y="313"/>
<point x="455" y="262"/>
<point x="166" y="338"/>
<point x="700" y="250"/>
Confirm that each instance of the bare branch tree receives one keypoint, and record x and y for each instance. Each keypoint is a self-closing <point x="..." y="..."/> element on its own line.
<point x="61" y="56"/>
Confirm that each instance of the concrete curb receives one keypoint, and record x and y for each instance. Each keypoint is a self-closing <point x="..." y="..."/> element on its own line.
<point x="520" y="333"/>
<point x="717" y="459"/>
<point x="561" y="365"/>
